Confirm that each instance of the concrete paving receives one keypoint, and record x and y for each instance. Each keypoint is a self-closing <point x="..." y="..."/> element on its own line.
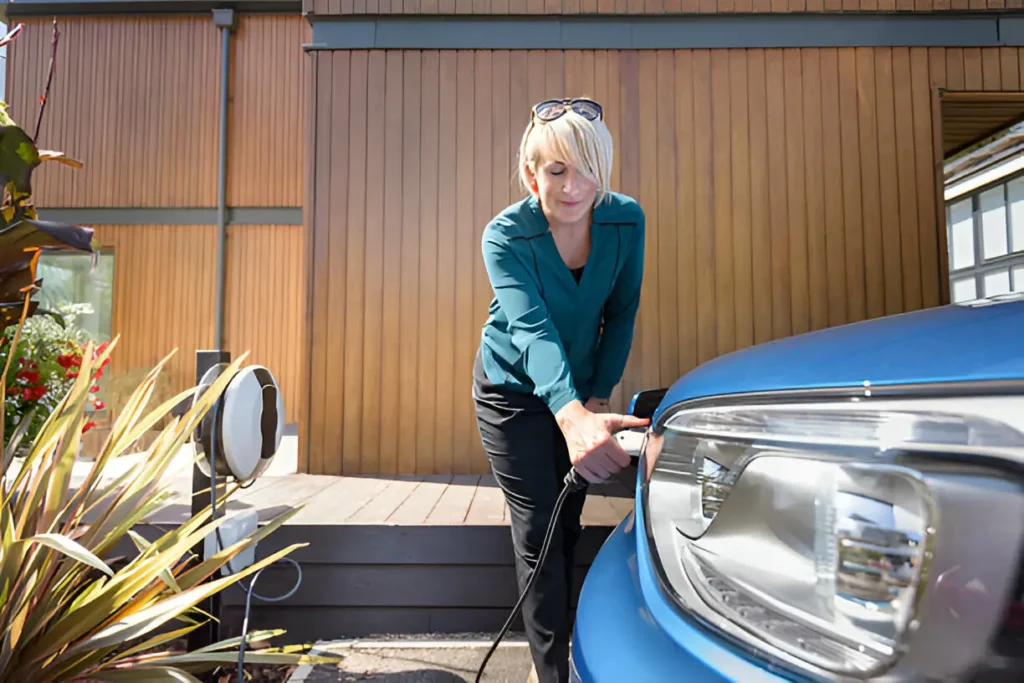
<point x="440" y="660"/>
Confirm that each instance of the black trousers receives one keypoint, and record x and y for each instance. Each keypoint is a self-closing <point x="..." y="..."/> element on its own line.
<point x="529" y="459"/>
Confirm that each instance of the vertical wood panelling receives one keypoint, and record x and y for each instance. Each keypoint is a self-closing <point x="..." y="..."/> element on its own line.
<point x="263" y="303"/>
<point x="785" y="191"/>
<point x="163" y="296"/>
<point x="134" y="99"/>
<point x="267" y="111"/>
<point x="164" y="299"/>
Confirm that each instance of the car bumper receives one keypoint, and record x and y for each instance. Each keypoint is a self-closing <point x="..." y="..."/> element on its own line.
<point x="619" y="633"/>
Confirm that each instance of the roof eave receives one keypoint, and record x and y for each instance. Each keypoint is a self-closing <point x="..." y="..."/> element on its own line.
<point x="12" y="9"/>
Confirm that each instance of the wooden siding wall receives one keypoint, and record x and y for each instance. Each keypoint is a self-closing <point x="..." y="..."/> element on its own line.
<point x="164" y="298"/>
<point x="571" y="7"/>
<point x="786" y="191"/>
<point x="142" y="112"/>
<point x="136" y="100"/>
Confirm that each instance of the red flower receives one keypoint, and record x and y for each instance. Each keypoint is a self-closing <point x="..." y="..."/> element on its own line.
<point x="87" y="426"/>
<point x="13" y="391"/>
<point x="93" y="389"/>
<point x="99" y="405"/>
<point x="99" y="351"/>
<point x="33" y="393"/>
<point x="30" y="376"/>
<point x="68" y="360"/>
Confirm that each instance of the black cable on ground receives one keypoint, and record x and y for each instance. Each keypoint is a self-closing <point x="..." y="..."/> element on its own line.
<point x="219" y="545"/>
<point x="573" y="482"/>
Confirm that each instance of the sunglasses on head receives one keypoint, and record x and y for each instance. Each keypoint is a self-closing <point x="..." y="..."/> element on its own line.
<point x="550" y="110"/>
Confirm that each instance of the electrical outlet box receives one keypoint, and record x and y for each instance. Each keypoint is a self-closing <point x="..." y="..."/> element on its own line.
<point x="237" y="524"/>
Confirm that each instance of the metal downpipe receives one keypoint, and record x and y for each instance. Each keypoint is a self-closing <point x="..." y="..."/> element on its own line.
<point x="225" y="23"/>
<point x="209" y="633"/>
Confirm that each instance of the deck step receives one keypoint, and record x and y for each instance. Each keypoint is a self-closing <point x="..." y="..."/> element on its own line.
<point x="400" y="554"/>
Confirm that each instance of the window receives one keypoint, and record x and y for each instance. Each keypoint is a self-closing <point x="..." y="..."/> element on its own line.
<point x="70" y="280"/>
<point x="985" y="234"/>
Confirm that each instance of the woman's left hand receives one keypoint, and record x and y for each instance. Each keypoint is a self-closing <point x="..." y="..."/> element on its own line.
<point x="598" y="405"/>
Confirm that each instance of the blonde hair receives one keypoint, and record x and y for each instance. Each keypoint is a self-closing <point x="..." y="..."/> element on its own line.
<point x="585" y="145"/>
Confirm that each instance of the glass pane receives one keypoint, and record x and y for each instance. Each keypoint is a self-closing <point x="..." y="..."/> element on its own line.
<point x="993" y="223"/>
<point x="1016" y="190"/>
<point x="964" y="289"/>
<point x="961" y="242"/>
<point x="1018" y="278"/>
<point x="997" y="282"/>
<point x="72" y="287"/>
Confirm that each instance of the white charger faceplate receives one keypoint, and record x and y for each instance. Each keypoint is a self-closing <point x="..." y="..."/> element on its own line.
<point x="249" y="426"/>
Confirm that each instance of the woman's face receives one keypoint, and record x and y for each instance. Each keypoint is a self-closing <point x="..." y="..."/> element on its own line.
<point x="565" y="194"/>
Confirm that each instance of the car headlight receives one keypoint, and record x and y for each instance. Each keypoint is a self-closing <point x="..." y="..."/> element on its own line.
<point x="819" y="534"/>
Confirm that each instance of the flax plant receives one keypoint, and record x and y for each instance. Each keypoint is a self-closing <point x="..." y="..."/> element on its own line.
<point x="65" y="614"/>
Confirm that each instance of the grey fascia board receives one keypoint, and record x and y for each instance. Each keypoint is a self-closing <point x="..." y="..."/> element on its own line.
<point x="1011" y="30"/>
<point x="28" y="8"/>
<point x="948" y="29"/>
<point x="273" y="215"/>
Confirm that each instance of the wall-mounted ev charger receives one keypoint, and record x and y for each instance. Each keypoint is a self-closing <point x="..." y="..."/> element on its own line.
<point x="238" y="438"/>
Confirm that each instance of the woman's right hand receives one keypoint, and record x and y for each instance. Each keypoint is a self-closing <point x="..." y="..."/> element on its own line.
<point x="590" y="437"/>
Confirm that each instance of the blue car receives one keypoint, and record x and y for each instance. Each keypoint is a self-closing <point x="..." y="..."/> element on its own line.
<point x="843" y="505"/>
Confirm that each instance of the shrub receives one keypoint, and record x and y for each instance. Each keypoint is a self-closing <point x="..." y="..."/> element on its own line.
<point x="65" y="614"/>
<point x="45" y="364"/>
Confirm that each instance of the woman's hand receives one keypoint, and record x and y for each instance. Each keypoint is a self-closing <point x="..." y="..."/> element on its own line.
<point x="593" y="449"/>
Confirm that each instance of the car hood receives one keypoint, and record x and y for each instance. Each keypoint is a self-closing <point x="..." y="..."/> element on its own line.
<point x="975" y="342"/>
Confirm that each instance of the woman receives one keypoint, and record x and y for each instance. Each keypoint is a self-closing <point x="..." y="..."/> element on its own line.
<point x="566" y="265"/>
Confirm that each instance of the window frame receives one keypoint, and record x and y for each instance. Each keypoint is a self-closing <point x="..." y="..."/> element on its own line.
<point x="981" y="265"/>
<point x="100" y="251"/>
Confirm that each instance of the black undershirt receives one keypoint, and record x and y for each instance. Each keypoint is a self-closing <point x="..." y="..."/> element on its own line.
<point x="578" y="273"/>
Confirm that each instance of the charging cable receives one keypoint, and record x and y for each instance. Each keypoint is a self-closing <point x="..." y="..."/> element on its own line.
<point x="573" y="482"/>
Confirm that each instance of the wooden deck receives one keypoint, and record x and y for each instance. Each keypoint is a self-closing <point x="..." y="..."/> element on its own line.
<point x="434" y="500"/>
<point x="389" y="554"/>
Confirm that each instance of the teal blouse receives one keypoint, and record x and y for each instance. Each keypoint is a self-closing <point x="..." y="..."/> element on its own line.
<point x="545" y="334"/>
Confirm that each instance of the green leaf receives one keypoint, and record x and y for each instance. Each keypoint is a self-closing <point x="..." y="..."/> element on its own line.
<point x="157" y="641"/>
<point x="250" y="658"/>
<point x="156" y="615"/>
<point x="252" y="637"/>
<point x="143" y="545"/>
<point x="71" y="548"/>
<point x="18" y="157"/>
<point x="143" y="674"/>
